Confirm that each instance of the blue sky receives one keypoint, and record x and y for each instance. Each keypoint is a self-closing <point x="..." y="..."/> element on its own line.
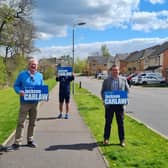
<point x="123" y="25"/>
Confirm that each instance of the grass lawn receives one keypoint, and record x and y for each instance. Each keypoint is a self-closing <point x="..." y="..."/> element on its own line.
<point x="9" y="108"/>
<point x="144" y="148"/>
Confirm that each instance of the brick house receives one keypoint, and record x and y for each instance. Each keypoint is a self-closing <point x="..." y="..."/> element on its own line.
<point x="135" y="62"/>
<point x="98" y="64"/>
<point x="162" y="52"/>
<point x="153" y="59"/>
<point x="120" y="61"/>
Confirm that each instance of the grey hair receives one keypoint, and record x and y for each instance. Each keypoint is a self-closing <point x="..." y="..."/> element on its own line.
<point x="33" y="60"/>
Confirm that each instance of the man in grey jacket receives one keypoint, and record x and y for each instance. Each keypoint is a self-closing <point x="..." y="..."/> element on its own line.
<point x="114" y="82"/>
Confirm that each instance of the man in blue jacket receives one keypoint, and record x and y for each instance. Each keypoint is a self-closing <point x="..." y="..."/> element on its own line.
<point x="64" y="93"/>
<point x="27" y="78"/>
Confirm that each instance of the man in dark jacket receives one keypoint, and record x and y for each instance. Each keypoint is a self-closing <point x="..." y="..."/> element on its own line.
<point x="114" y="83"/>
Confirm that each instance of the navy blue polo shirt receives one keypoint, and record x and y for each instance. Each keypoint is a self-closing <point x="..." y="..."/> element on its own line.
<point x="64" y="87"/>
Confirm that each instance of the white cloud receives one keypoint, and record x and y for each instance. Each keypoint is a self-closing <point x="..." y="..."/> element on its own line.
<point x="51" y="17"/>
<point x="157" y="1"/>
<point x="54" y="17"/>
<point x="43" y="36"/>
<point x="147" y="21"/>
<point x="84" y="50"/>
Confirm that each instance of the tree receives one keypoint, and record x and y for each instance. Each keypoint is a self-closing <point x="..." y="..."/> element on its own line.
<point x="67" y="59"/>
<point x="23" y="38"/>
<point x="48" y="72"/>
<point x="16" y="34"/>
<point x="6" y="17"/>
<point x="16" y="29"/>
<point x="14" y="65"/>
<point x="80" y="65"/>
<point x="105" y="51"/>
<point x="3" y="74"/>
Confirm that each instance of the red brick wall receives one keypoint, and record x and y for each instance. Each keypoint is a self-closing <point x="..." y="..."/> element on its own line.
<point x="165" y="64"/>
<point x="123" y="67"/>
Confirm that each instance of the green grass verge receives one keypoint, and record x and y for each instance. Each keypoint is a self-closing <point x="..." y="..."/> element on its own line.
<point x="9" y="108"/>
<point x="50" y="82"/>
<point x="144" y="148"/>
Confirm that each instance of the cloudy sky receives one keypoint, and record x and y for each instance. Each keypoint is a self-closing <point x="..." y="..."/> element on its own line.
<point x="123" y="25"/>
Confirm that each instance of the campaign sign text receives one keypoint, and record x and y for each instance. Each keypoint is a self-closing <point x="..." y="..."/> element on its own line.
<point x="115" y="97"/>
<point x="36" y="93"/>
<point x="64" y="71"/>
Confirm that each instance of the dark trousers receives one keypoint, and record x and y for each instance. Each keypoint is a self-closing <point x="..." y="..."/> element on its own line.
<point x="109" y="113"/>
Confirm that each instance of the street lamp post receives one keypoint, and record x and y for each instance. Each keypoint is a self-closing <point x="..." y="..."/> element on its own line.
<point x="73" y="48"/>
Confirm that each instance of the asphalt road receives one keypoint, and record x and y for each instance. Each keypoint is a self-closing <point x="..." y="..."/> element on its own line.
<point x="147" y="105"/>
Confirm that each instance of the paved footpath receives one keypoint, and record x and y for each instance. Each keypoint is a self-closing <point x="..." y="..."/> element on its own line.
<point x="62" y="143"/>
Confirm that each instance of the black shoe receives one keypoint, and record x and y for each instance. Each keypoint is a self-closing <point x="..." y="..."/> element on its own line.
<point x="60" y="115"/>
<point x="32" y="144"/>
<point x="3" y="148"/>
<point x="12" y="147"/>
<point x="122" y="143"/>
<point x="106" y="142"/>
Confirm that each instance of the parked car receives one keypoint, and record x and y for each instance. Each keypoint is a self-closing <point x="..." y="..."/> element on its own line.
<point x="150" y="79"/>
<point x="134" y="80"/>
<point x="147" y="77"/>
<point x="102" y="75"/>
<point x="130" y="77"/>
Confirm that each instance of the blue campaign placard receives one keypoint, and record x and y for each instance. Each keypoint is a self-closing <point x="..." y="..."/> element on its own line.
<point x="36" y="93"/>
<point x="116" y="97"/>
<point x="64" y="71"/>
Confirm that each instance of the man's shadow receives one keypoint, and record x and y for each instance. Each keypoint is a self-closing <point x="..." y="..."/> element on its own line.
<point x="47" y="118"/>
<point x="79" y="146"/>
<point x="100" y="144"/>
